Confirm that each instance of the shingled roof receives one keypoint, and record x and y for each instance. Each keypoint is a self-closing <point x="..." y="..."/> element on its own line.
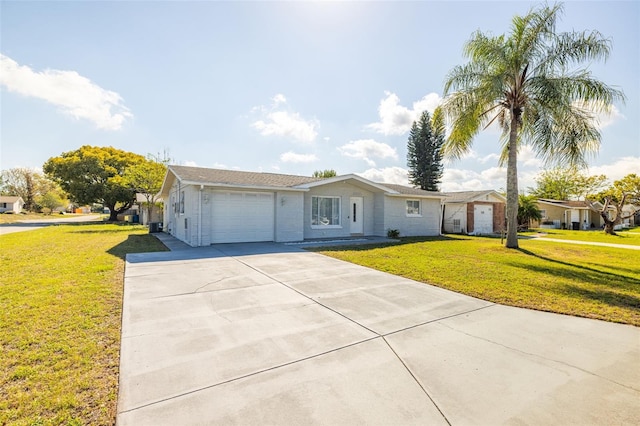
<point x="467" y="196"/>
<point x="235" y="177"/>
<point x="406" y="190"/>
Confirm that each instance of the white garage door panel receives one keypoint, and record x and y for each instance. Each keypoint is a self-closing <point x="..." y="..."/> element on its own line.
<point x="242" y="217"/>
<point x="483" y="219"/>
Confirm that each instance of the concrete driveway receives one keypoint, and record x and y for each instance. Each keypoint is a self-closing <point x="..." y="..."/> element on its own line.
<point x="270" y="334"/>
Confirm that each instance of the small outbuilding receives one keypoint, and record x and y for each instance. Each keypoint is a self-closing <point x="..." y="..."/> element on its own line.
<point x="206" y="206"/>
<point x="474" y="212"/>
<point x="10" y="203"/>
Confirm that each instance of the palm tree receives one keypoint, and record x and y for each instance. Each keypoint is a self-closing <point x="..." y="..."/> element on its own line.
<point x="527" y="210"/>
<point x="524" y="82"/>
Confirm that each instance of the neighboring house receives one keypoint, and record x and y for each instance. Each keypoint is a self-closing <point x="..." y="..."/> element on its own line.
<point x="207" y="206"/>
<point x="631" y="211"/>
<point x="564" y="214"/>
<point x="474" y="212"/>
<point x="142" y="209"/>
<point x="10" y="203"/>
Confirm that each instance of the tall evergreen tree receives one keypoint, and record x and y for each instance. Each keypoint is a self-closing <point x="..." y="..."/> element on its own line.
<point x="424" y="157"/>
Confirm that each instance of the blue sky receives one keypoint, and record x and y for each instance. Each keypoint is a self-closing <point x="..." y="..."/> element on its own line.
<point x="285" y="87"/>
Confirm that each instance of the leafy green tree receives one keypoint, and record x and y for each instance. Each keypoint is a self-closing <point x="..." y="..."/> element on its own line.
<point x="529" y="82"/>
<point x="94" y="174"/>
<point x="50" y="201"/>
<point x="26" y="183"/>
<point x="424" y="156"/>
<point x="622" y="192"/>
<point x="566" y="184"/>
<point x="324" y="173"/>
<point x="146" y="178"/>
<point x="527" y="210"/>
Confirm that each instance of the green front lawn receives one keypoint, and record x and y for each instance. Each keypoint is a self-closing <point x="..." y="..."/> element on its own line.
<point x="587" y="281"/>
<point x="631" y="237"/>
<point x="60" y="310"/>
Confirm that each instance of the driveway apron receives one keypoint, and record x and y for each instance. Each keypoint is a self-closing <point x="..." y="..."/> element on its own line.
<point x="271" y="334"/>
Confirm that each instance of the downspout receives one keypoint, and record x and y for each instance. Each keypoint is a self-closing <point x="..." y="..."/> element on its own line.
<point x="200" y="216"/>
<point x="442" y="207"/>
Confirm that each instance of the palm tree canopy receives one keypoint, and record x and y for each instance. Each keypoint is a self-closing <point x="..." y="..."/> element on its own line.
<point x="532" y="76"/>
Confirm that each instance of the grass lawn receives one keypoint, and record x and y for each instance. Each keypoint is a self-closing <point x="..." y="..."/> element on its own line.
<point x="630" y="237"/>
<point x="587" y="281"/>
<point x="60" y="310"/>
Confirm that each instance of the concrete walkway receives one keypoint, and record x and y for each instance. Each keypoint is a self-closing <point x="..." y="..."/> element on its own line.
<point x="589" y="243"/>
<point x="271" y="334"/>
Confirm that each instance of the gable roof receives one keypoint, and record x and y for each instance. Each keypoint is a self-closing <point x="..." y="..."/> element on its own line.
<point x="257" y="180"/>
<point x="406" y="190"/>
<point x="471" y="196"/>
<point x="568" y="204"/>
<point x="237" y="177"/>
<point x="10" y="199"/>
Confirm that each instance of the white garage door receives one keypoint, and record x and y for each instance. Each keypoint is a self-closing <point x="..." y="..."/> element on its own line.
<point x="483" y="219"/>
<point x="239" y="217"/>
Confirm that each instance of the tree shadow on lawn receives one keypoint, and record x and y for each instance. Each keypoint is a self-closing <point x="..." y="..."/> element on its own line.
<point x="608" y="284"/>
<point x="143" y="243"/>
<point x="400" y="242"/>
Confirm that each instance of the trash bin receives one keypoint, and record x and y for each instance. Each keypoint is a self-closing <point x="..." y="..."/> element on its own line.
<point x="154" y="227"/>
<point x="575" y="226"/>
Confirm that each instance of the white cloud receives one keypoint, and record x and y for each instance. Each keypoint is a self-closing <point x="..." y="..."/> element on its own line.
<point x="470" y="180"/>
<point x="366" y="148"/>
<point x="396" y="175"/>
<point x="606" y="119"/>
<point x="190" y="163"/>
<point x="74" y="94"/>
<point x="618" y="169"/>
<point x="527" y="157"/>
<point x="604" y="115"/>
<point x="396" y="119"/>
<point x="279" y="99"/>
<point x="276" y="121"/>
<point x="292" y="157"/>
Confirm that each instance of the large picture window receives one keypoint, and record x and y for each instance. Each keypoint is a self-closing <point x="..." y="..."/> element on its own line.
<point x="325" y="211"/>
<point x="413" y="207"/>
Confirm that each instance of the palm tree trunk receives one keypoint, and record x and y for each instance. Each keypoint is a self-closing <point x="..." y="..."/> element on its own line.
<point x="512" y="185"/>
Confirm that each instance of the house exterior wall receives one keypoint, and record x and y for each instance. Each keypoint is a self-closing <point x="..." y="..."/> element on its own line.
<point x="378" y="215"/>
<point x="183" y="224"/>
<point x="455" y="211"/>
<point x="552" y="214"/>
<point x="465" y="212"/>
<point x="15" y="206"/>
<point x="345" y="191"/>
<point x="199" y="207"/>
<point x="427" y="224"/>
<point x="564" y="216"/>
<point x="289" y="216"/>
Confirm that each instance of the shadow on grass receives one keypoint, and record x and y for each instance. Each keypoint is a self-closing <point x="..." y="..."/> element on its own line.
<point x="609" y="297"/>
<point x="144" y="243"/>
<point x="403" y="241"/>
<point x="607" y="284"/>
<point x="594" y="271"/>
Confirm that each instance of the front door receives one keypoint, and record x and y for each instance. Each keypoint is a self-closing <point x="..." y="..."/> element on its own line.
<point x="355" y="214"/>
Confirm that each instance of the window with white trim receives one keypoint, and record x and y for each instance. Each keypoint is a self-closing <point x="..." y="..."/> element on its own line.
<point x="182" y="202"/>
<point x="325" y="211"/>
<point x="413" y="207"/>
<point x="543" y="213"/>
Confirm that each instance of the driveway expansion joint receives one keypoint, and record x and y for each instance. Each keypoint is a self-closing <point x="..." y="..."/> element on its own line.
<point x="245" y="376"/>
<point x="538" y="356"/>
